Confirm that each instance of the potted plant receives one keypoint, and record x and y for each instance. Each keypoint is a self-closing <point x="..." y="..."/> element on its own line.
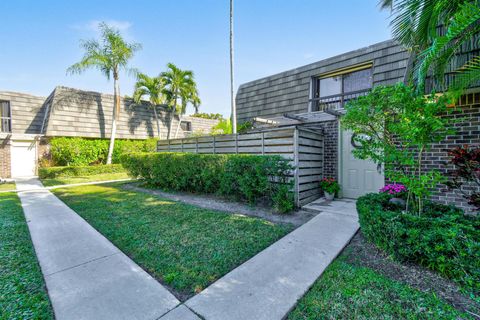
<point x="329" y="186"/>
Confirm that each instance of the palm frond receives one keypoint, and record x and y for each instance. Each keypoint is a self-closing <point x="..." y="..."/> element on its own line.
<point x="467" y="75"/>
<point x="444" y="47"/>
<point x="108" y="55"/>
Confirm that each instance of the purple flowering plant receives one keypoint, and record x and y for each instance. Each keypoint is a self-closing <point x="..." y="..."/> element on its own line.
<point x="394" y="189"/>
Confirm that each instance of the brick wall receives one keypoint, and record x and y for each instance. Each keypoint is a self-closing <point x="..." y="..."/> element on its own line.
<point x="5" y="158"/>
<point x="330" y="130"/>
<point x="467" y="133"/>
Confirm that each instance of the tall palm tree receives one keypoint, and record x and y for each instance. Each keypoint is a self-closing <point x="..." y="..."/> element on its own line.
<point x="180" y="90"/>
<point x="232" y="88"/>
<point x="110" y="56"/>
<point x="435" y="31"/>
<point x="151" y="87"/>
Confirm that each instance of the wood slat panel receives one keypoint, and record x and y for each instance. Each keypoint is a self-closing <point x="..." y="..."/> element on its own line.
<point x="314" y="150"/>
<point x="305" y="201"/>
<point x="246" y="143"/>
<point x="310" y="135"/>
<point x="277" y="141"/>
<point x="310" y="164"/>
<point x="311" y="157"/>
<point x="311" y="192"/>
<point x="312" y="178"/>
<point x="310" y="142"/>
<point x="308" y="186"/>
<point x="310" y="171"/>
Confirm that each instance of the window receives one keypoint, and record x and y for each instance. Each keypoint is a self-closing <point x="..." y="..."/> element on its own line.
<point x="186" y="125"/>
<point x="5" y="117"/>
<point x="334" y="91"/>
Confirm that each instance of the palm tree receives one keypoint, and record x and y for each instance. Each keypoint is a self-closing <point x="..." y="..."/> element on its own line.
<point x="180" y="90"/>
<point x="151" y="87"/>
<point x="224" y="126"/>
<point x="110" y="55"/>
<point x="435" y="31"/>
<point x="232" y="90"/>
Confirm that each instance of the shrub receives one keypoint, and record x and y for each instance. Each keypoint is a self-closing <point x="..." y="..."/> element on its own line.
<point x="75" y="171"/>
<point x="442" y="239"/>
<point x="394" y="126"/>
<point x="66" y="151"/>
<point x="215" y="116"/>
<point x="245" y="177"/>
<point x="466" y="172"/>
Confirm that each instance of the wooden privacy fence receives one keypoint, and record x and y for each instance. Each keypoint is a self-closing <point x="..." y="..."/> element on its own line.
<point x="302" y="147"/>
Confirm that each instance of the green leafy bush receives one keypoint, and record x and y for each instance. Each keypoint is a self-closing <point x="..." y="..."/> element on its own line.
<point x="442" y="238"/>
<point x="395" y="126"/>
<point x="246" y="177"/>
<point x="66" y="151"/>
<point x="75" y="171"/>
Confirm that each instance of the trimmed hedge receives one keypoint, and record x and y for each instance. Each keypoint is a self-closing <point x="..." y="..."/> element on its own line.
<point x="442" y="239"/>
<point x="62" y="172"/>
<point x="250" y="178"/>
<point x="67" y="151"/>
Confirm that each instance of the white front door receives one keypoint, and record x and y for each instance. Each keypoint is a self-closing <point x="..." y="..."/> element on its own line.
<point x="358" y="177"/>
<point x="23" y="158"/>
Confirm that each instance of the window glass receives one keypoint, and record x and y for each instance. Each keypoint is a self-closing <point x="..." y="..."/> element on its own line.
<point x="357" y="81"/>
<point x="5" y="121"/>
<point x="330" y="86"/>
<point x="4" y="112"/>
<point x="186" y="125"/>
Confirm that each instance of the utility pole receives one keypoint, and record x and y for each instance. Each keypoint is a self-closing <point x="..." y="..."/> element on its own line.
<point x="232" y="91"/>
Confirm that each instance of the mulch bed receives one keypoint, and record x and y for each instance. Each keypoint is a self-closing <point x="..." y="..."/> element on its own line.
<point x="362" y="253"/>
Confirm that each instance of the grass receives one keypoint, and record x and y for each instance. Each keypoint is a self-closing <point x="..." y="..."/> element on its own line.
<point x="184" y="246"/>
<point x="80" y="179"/>
<point x="22" y="289"/>
<point x="346" y="291"/>
<point x="7" y="186"/>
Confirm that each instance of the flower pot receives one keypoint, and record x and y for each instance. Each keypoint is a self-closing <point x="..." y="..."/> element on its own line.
<point x="329" y="196"/>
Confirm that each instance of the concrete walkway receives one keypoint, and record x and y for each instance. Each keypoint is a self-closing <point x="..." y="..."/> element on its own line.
<point x="87" y="277"/>
<point x="269" y="285"/>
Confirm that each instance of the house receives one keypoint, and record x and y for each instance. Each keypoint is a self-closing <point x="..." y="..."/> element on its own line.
<point x="27" y="122"/>
<point x="313" y="97"/>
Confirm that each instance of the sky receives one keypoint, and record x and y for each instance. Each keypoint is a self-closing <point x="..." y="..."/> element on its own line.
<point x="41" y="39"/>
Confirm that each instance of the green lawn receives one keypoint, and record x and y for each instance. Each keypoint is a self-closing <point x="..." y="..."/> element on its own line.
<point x="184" y="246"/>
<point x="22" y="290"/>
<point x="346" y="291"/>
<point x="7" y="186"/>
<point x="80" y="179"/>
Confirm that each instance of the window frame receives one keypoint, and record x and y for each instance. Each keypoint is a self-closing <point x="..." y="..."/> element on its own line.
<point x="9" y="118"/>
<point x="188" y="125"/>
<point x="315" y="86"/>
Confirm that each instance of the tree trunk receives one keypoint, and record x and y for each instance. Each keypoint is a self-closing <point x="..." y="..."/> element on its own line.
<point x="178" y="126"/>
<point x="172" y="115"/>
<point x="156" y="119"/>
<point x="232" y="96"/>
<point x="116" y="111"/>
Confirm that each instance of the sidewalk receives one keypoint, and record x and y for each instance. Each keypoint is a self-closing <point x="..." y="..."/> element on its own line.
<point x="269" y="285"/>
<point x="87" y="277"/>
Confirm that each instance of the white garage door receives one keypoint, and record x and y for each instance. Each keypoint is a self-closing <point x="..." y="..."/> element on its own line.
<point x="23" y="157"/>
<point x="358" y="176"/>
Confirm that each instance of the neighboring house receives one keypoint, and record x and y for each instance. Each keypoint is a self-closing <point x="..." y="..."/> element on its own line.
<point x="28" y="121"/>
<point x="313" y="96"/>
